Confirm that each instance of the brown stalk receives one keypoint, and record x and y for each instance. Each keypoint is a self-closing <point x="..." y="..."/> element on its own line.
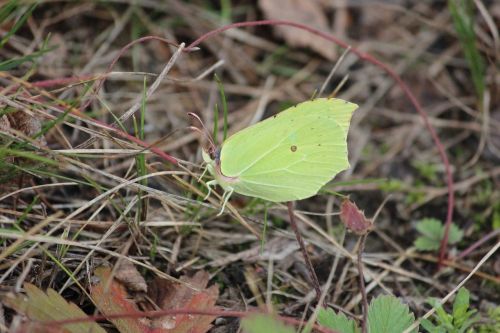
<point x="310" y="268"/>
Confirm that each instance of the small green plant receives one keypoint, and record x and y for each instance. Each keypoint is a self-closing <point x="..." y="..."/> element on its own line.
<point x="460" y="320"/>
<point x="427" y="170"/>
<point x="492" y="324"/>
<point x="431" y="231"/>
<point x="386" y="314"/>
<point x="462" y="14"/>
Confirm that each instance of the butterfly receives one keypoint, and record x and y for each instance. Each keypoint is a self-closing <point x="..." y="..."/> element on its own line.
<point x="289" y="156"/>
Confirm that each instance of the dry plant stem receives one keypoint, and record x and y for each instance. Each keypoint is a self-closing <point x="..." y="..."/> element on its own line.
<point x="118" y="56"/>
<point x="101" y="124"/>
<point x="369" y="58"/>
<point x="309" y="265"/>
<point x="149" y="92"/>
<point x="480" y="242"/>
<point x="362" y="288"/>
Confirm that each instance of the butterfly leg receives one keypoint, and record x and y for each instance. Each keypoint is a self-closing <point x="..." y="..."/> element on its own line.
<point x="209" y="186"/>
<point x="225" y="197"/>
<point x="205" y="169"/>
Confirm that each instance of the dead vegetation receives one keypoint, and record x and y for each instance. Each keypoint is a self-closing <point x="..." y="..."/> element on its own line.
<point x="86" y="179"/>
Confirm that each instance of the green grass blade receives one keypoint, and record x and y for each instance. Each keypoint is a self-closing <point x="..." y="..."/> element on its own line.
<point x="463" y="20"/>
<point x="20" y="22"/>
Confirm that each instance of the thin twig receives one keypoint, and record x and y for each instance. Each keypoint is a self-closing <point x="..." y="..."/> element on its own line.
<point x="309" y="265"/>
<point x="361" y="248"/>
<point x="138" y="103"/>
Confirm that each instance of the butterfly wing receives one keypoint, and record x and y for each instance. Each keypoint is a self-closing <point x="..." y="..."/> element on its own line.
<point x="292" y="155"/>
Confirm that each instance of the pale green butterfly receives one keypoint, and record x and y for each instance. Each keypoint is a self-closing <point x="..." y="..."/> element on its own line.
<point x="287" y="157"/>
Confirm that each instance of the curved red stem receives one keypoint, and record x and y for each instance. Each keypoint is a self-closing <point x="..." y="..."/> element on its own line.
<point x="161" y="313"/>
<point x="369" y="58"/>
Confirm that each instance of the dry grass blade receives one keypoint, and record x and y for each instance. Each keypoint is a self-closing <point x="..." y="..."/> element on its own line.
<point x="98" y="167"/>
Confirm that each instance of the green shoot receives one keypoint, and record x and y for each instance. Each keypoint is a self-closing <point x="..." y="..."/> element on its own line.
<point x="463" y="19"/>
<point x="460" y="320"/>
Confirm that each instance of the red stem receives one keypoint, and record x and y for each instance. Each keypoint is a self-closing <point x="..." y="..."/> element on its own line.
<point x="467" y="251"/>
<point x="161" y="313"/>
<point x="369" y="58"/>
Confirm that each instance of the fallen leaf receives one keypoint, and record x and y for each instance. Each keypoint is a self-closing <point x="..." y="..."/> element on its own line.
<point x="111" y="298"/>
<point x="23" y="122"/>
<point x="309" y="13"/>
<point x="50" y="306"/>
<point x="16" y="124"/>
<point x="171" y="295"/>
<point x="4" y="123"/>
<point x="354" y="219"/>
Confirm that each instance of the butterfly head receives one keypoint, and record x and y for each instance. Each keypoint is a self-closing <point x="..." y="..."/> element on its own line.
<point x="209" y="148"/>
<point x="211" y="154"/>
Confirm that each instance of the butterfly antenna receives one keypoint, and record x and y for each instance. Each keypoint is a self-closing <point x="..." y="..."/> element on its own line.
<point x="203" y="132"/>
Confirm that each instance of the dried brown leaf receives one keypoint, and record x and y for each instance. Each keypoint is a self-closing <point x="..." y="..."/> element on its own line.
<point x="50" y="306"/>
<point x="23" y="122"/>
<point x="169" y="295"/>
<point x="4" y="123"/>
<point x="308" y="12"/>
<point x="111" y="298"/>
<point x="13" y="124"/>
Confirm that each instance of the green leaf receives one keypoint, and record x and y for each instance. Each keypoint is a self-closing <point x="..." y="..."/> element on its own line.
<point x="430" y="327"/>
<point x="39" y="307"/>
<point x="442" y="317"/>
<point x="430" y="228"/>
<point x="455" y="235"/>
<point x="261" y="323"/>
<point x="338" y="322"/>
<point x="492" y="322"/>
<point x="461" y="303"/>
<point x="386" y="314"/>
<point x="426" y="244"/>
<point x="432" y="231"/>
